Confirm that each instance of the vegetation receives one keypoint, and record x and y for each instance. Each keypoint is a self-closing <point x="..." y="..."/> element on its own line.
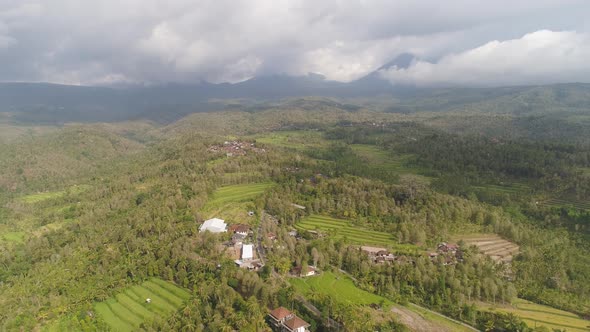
<point x="94" y="219"/>
<point x="539" y="315"/>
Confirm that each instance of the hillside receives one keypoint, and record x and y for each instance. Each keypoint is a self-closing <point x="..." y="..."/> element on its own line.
<point x="97" y="218"/>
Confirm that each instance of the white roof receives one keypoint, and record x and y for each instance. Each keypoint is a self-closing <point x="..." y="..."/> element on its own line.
<point x="247" y="251"/>
<point x="214" y="225"/>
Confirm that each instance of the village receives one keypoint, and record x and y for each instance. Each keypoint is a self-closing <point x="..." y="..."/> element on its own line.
<point x="246" y="250"/>
<point x="235" y="148"/>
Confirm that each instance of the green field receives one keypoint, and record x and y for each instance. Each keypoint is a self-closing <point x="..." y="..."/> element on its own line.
<point x="340" y="228"/>
<point x="537" y="315"/>
<point x="233" y="202"/>
<point x="382" y="159"/>
<point x="238" y="193"/>
<point x="512" y="188"/>
<point x="40" y="197"/>
<point x="341" y="288"/>
<point x="560" y="202"/>
<point x="16" y="237"/>
<point x="297" y="140"/>
<point x="127" y="310"/>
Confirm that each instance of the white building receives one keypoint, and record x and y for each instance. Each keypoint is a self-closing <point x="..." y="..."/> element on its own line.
<point x="214" y="225"/>
<point x="247" y="252"/>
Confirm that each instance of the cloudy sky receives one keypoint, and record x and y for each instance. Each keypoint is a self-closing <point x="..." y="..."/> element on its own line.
<point x="456" y="42"/>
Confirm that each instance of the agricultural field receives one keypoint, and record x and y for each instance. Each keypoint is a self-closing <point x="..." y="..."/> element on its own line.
<point x="379" y="158"/>
<point x="499" y="249"/>
<point x="127" y="310"/>
<point x="298" y="140"/>
<point x="339" y="286"/>
<point x="342" y="288"/>
<point x="560" y="202"/>
<point x="233" y="202"/>
<point x="536" y="315"/>
<point x="515" y="188"/>
<point x="41" y="197"/>
<point x="340" y="228"/>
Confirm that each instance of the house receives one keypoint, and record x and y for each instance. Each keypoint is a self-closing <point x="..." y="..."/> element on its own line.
<point x="241" y="229"/>
<point x="214" y="225"/>
<point x="297" y="271"/>
<point x="247" y="252"/>
<point x="283" y="320"/>
<point x="446" y="247"/>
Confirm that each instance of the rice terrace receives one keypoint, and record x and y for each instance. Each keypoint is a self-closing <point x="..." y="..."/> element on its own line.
<point x="341" y="228"/>
<point x="130" y="308"/>
<point x="492" y="245"/>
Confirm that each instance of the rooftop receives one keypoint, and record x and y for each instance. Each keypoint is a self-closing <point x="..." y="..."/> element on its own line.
<point x="280" y="313"/>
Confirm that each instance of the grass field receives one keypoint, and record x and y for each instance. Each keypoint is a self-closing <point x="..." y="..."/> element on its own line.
<point x="128" y="309"/>
<point x="341" y="288"/>
<point x="539" y="315"/>
<point x="340" y="228"/>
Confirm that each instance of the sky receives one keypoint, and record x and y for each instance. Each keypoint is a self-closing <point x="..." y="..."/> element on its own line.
<point x="455" y="42"/>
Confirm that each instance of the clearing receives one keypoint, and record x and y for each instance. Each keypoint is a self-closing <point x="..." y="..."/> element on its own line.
<point x="341" y="288"/>
<point x="540" y="315"/>
<point x="127" y="310"/>
<point x="499" y="249"/>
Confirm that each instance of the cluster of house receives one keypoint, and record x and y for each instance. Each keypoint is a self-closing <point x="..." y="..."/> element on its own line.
<point x="378" y="255"/>
<point x="240" y="234"/>
<point x="383" y="256"/>
<point x="450" y="253"/>
<point x="235" y="148"/>
<point x="283" y="320"/>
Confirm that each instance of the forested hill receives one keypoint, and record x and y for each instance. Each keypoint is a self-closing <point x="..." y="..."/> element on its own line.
<point x="32" y="103"/>
<point x="97" y="218"/>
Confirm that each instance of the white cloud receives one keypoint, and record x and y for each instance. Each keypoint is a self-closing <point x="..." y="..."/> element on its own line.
<point x="192" y="40"/>
<point x="537" y="58"/>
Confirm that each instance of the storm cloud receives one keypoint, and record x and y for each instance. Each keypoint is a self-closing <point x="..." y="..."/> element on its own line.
<point x="155" y="41"/>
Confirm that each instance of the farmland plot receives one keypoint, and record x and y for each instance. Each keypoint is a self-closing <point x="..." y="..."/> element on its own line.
<point x="127" y="310"/>
<point x="499" y="249"/>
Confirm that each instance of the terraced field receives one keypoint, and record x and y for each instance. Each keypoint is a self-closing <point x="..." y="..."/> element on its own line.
<point x="381" y="159"/>
<point x="233" y="202"/>
<point x="492" y="245"/>
<point x="558" y="202"/>
<point x="238" y="193"/>
<point x="512" y="188"/>
<point x="536" y="315"/>
<point x="340" y="228"/>
<point x="128" y="309"/>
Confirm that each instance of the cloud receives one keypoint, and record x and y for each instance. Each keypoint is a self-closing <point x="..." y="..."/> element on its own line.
<point x="154" y="41"/>
<point x="537" y="58"/>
